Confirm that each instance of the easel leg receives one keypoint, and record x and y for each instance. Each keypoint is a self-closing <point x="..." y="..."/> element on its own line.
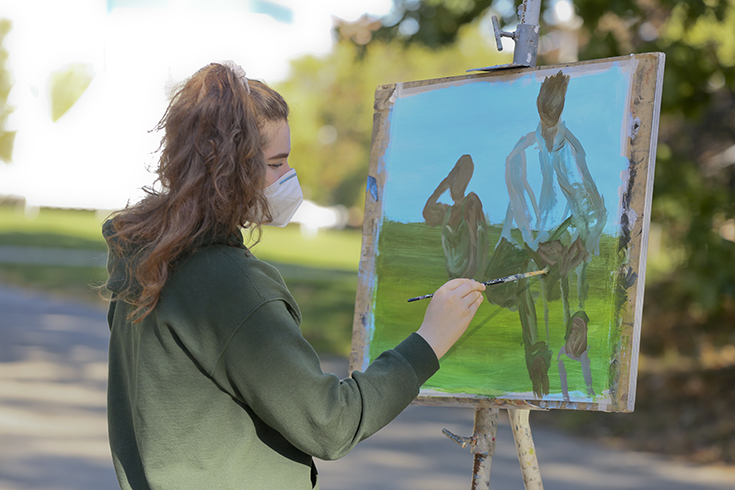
<point x="526" y="450"/>
<point x="483" y="447"/>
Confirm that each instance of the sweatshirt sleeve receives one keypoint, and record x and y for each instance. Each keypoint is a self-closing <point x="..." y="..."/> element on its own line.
<point x="269" y="366"/>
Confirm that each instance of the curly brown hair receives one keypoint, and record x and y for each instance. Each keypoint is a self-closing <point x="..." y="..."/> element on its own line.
<point x="211" y="173"/>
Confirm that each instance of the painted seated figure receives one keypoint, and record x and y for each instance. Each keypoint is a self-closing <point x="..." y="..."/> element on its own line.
<point x="464" y="227"/>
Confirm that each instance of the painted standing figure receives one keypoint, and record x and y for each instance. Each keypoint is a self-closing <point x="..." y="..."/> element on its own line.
<point x="555" y="218"/>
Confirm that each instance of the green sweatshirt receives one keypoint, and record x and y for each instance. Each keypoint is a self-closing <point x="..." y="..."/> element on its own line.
<point x="217" y="388"/>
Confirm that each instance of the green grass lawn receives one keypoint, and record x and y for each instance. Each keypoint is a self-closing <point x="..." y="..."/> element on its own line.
<point x="79" y="229"/>
<point x="320" y="271"/>
<point x="51" y="228"/>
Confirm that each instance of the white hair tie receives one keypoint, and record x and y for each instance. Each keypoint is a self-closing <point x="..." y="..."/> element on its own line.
<point x="239" y="72"/>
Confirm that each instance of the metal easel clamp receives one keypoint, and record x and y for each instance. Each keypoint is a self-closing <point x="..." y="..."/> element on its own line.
<point x="461" y="440"/>
<point x="500" y="33"/>
<point x="526" y="37"/>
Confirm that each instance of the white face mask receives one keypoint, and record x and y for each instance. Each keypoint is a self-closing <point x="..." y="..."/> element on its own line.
<point x="284" y="198"/>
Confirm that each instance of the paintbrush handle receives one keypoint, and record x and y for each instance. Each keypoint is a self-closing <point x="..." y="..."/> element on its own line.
<point x="501" y="280"/>
<point x="426" y="296"/>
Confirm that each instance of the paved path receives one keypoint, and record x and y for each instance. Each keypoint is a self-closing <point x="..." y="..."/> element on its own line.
<point x="53" y="429"/>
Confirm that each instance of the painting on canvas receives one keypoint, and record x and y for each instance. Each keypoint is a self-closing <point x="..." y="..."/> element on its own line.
<point x="493" y="174"/>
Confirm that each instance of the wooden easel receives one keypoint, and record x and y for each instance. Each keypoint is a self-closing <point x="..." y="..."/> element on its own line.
<point x="482" y="442"/>
<point x="482" y="446"/>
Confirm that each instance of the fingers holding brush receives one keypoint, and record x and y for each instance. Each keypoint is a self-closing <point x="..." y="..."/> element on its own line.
<point x="450" y="312"/>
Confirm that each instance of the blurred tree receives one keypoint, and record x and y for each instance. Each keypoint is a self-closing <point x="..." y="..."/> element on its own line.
<point x="332" y="103"/>
<point x="7" y="138"/>
<point x="66" y="85"/>
<point x="694" y="196"/>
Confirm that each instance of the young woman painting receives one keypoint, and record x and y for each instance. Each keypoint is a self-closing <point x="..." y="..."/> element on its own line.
<point x="211" y="384"/>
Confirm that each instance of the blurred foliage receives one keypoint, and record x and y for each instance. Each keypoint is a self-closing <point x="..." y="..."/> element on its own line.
<point x="7" y="138"/>
<point x="331" y="99"/>
<point x="66" y="85"/>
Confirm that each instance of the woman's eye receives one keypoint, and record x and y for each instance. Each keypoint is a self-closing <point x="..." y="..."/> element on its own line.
<point x="275" y="165"/>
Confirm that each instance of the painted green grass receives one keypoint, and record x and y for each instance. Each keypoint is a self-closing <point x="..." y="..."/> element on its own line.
<point x="489" y="359"/>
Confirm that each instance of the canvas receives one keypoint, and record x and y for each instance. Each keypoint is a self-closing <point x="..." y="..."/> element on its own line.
<point x="507" y="172"/>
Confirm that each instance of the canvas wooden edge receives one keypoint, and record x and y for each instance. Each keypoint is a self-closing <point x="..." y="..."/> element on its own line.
<point x="642" y="142"/>
<point x="359" y="354"/>
<point x="645" y="106"/>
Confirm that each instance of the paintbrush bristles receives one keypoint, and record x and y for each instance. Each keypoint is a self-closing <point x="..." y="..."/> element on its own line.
<point x="516" y="277"/>
<point x="501" y="280"/>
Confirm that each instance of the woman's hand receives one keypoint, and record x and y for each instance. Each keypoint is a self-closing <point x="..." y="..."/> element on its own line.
<point x="450" y="312"/>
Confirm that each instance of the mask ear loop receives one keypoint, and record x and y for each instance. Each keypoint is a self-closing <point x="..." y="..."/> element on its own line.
<point x="239" y="72"/>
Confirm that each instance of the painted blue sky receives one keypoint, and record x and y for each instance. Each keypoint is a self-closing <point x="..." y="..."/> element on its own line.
<point x="429" y="131"/>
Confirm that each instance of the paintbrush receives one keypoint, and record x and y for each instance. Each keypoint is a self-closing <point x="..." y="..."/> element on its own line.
<point x="501" y="280"/>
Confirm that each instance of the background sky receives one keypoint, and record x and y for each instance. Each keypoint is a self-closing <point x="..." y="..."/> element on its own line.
<point x="95" y="156"/>
<point x="429" y="131"/>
